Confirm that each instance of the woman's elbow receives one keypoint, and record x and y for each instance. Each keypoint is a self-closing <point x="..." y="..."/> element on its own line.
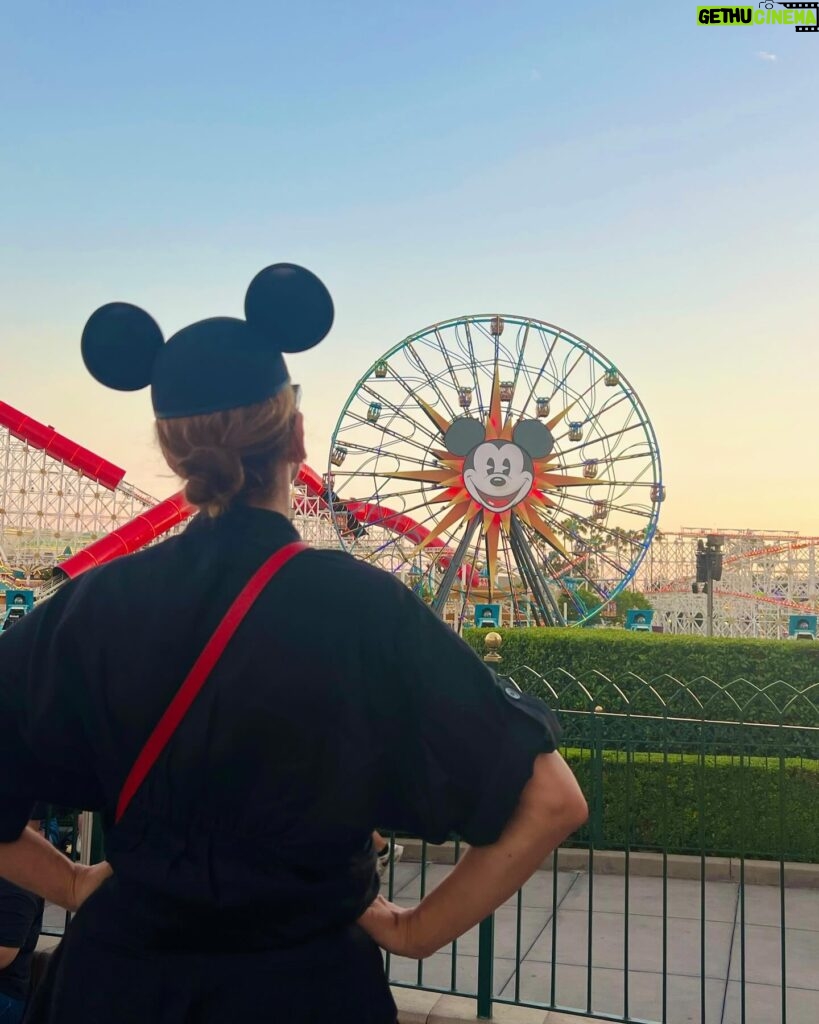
<point x="567" y="809"/>
<point x="557" y="794"/>
<point x="576" y="812"/>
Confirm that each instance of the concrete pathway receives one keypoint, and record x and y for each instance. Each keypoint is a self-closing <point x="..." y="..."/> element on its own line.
<point x="712" y="996"/>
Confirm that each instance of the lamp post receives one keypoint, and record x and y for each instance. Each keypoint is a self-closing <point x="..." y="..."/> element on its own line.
<point x="709" y="571"/>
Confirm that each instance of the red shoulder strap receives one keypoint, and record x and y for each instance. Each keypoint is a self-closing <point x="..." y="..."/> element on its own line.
<point x="195" y="680"/>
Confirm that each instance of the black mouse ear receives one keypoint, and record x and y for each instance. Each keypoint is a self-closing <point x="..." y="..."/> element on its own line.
<point x="464" y="435"/>
<point x="533" y="437"/>
<point x="119" y="346"/>
<point x="289" y="306"/>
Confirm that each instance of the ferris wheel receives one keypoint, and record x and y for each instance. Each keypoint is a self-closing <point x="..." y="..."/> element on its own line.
<point x="498" y="459"/>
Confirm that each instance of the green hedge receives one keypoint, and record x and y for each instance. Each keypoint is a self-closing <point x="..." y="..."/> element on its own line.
<point x="739" y="802"/>
<point x="728" y="676"/>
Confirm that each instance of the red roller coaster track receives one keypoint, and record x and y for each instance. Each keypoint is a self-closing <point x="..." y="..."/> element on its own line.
<point x="165" y="515"/>
<point x="150" y="525"/>
<point x="141" y="530"/>
<point x="60" y="447"/>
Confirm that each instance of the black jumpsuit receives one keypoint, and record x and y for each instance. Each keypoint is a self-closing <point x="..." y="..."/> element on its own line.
<point x="244" y="860"/>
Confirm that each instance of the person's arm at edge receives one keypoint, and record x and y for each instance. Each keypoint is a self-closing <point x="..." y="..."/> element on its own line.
<point x="8" y="954"/>
<point x="550" y="808"/>
<point x="34" y="864"/>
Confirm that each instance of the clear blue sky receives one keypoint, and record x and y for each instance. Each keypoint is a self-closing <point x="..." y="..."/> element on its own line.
<point x="648" y="183"/>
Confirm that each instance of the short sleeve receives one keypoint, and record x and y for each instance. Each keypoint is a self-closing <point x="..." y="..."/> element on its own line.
<point x="44" y="754"/>
<point x="18" y="911"/>
<point x="465" y="741"/>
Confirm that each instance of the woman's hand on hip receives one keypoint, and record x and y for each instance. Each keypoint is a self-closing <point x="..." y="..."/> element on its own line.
<point x="391" y="926"/>
<point x="86" y="881"/>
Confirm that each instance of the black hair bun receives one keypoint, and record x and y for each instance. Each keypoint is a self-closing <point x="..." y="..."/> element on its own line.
<point x="119" y="346"/>
<point x="289" y="306"/>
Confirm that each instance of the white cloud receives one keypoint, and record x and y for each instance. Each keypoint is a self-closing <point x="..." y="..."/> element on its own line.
<point x="764" y="55"/>
<point x="534" y="75"/>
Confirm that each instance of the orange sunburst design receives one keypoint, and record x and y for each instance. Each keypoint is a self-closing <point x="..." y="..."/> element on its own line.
<point x="456" y="513"/>
<point x="446" y="477"/>
<point x="555" y="480"/>
<point x="451" y="495"/>
<point x="539" y="498"/>
<point x="440" y="422"/>
<point x="465" y="503"/>
<point x="546" y="531"/>
<point x="488" y="520"/>
<point x="553" y="422"/>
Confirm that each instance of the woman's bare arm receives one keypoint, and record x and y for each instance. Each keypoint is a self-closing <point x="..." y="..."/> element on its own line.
<point x="34" y="864"/>
<point x="550" y="808"/>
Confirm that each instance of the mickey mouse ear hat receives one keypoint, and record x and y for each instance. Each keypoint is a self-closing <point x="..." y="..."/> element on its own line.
<point x="215" y="364"/>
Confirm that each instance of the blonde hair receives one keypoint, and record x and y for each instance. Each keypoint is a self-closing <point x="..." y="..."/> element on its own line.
<point x="231" y="456"/>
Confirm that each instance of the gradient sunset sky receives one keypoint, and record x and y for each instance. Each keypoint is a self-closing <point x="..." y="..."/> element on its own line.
<point x="643" y="181"/>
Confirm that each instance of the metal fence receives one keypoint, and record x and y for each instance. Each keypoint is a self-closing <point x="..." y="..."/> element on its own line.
<point x="692" y="894"/>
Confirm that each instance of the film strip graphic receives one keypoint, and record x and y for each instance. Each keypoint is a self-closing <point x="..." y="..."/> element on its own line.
<point x="804" y="7"/>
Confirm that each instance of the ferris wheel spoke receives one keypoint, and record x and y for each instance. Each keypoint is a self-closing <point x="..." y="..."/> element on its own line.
<point x="518" y="364"/>
<point x="612" y="507"/>
<point x="574" y="571"/>
<point x="597" y="421"/>
<point x="537" y="582"/>
<point x="614" y="433"/>
<point x="618" y="567"/>
<point x="577" y="567"/>
<point x="396" y="440"/>
<point x="611" y="404"/>
<point x="398" y="410"/>
<point x="374" y="453"/>
<point x="620" y="487"/>
<point x="467" y="590"/>
<point x="391" y="495"/>
<point x="404" y="499"/>
<point x="430" y="379"/>
<point x="604" y="464"/>
<point x="562" y="383"/>
<point x="642" y="475"/>
<point x="392" y="515"/>
<point x="401" y="438"/>
<point x="455" y="564"/>
<point x="381" y="414"/>
<point x="448" y="362"/>
<point x="473" y="366"/>
<point x="540" y="606"/>
<point x="578" y="399"/>
<point x="507" y="551"/>
<point x="539" y="375"/>
<point x="506" y="357"/>
<point x="614" y="483"/>
<point x="641" y="449"/>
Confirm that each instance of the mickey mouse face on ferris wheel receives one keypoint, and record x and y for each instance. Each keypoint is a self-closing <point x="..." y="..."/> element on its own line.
<point x="498" y="474"/>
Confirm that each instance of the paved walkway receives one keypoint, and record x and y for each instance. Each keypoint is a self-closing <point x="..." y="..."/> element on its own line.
<point x="569" y="960"/>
